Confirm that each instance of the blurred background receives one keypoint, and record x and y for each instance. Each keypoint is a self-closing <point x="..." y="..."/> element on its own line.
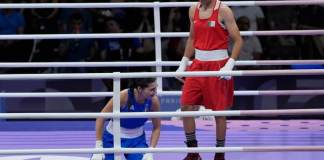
<point x="139" y="20"/>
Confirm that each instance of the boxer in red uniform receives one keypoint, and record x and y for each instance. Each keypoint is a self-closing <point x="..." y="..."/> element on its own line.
<point x="212" y="25"/>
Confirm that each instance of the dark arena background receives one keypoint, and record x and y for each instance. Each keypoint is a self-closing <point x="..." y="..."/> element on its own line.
<point x="294" y="49"/>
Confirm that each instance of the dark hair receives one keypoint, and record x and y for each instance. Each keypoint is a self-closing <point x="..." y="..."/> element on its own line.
<point x="138" y="82"/>
<point x="118" y="21"/>
<point x="141" y="82"/>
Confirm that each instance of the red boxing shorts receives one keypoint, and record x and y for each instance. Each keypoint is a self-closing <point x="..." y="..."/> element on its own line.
<point x="212" y="92"/>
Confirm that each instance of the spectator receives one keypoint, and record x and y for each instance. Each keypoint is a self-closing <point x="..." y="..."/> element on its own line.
<point x="251" y="50"/>
<point x="77" y="50"/>
<point x="254" y="13"/>
<point x="12" y="22"/>
<point x="116" y="49"/>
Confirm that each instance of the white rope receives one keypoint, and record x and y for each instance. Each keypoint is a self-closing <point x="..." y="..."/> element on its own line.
<point x="257" y="93"/>
<point x="162" y="93"/>
<point x="78" y="5"/>
<point x="147" y="63"/>
<point x="282" y="92"/>
<point x="282" y="112"/>
<point x="160" y="114"/>
<point x="282" y="72"/>
<point x="283" y="32"/>
<point x="255" y="33"/>
<point x="150" y="35"/>
<point x="248" y="3"/>
<point x="78" y="36"/>
<point x="279" y="62"/>
<point x="164" y="150"/>
<point x="160" y="74"/>
<point x="154" y="4"/>
<point x="55" y="94"/>
<point x="298" y="2"/>
<point x="86" y="64"/>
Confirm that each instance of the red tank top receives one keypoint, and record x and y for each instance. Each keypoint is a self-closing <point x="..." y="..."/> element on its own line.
<point x="209" y="34"/>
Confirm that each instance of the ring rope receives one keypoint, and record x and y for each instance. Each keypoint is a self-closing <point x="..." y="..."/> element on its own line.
<point x="161" y="114"/>
<point x="119" y="75"/>
<point x="256" y="92"/>
<point x="151" y="35"/>
<point x="147" y="63"/>
<point x="254" y="33"/>
<point x="162" y="93"/>
<point x="240" y="113"/>
<point x="165" y="150"/>
<point x="155" y="4"/>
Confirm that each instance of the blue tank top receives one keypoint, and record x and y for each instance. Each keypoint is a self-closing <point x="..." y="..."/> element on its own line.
<point x="133" y="106"/>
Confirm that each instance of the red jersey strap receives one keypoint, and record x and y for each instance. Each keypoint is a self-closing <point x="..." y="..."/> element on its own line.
<point x="198" y="5"/>
<point x="196" y="14"/>
<point x="218" y="3"/>
<point x="216" y="7"/>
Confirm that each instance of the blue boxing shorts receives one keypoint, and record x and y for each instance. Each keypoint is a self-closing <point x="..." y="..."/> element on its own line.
<point x="138" y="142"/>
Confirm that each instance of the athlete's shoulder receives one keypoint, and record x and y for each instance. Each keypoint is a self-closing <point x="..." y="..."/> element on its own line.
<point x="155" y="104"/>
<point x="155" y="99"/>
<point x="225" y="8"/>
<point x="225" y="11"/>
<point x="124" y="96"/>
<point x="192" y="10"/>
<point x="193" y="7"/>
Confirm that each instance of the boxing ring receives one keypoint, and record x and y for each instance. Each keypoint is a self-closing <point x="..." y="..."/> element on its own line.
<point x="252" y="139"/>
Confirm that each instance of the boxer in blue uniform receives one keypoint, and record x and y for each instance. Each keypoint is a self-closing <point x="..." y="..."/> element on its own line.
<point x="140" y="97"/>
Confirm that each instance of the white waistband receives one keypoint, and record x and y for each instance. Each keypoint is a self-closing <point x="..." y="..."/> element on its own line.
<point x="211" y="55"/>
<point x="124" y="132"/>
